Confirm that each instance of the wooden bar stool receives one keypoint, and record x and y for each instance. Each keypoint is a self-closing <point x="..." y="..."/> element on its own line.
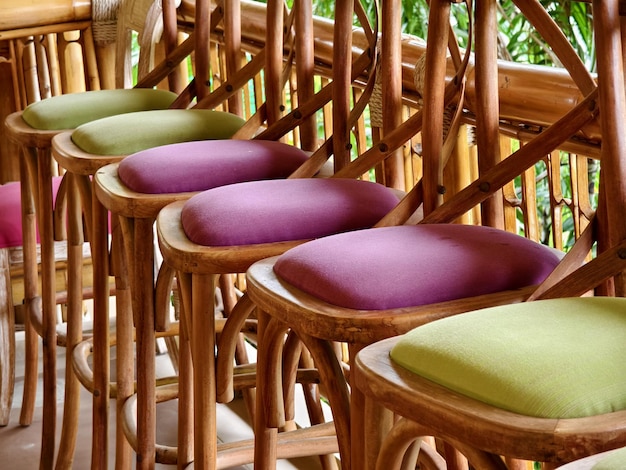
<point x="140" y="186"/>
<point x="84" y="164"/>
<point x="198" y="263"/>
<point x="566" y="335"/>
<point x="11" y="240"/>
<point x="33" y="130"/>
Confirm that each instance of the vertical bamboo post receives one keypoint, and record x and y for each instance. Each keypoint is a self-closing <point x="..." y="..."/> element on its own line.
<point x="487" y="125"/>
<point x="391" y="68"/>
<point x="612" y="99"/>
<point x="342" y="71"/>
<point x="434" y="85"/>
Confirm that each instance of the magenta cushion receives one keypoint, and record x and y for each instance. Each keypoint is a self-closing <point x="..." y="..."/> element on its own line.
<point x="405" y="266"/>
<point x="201" y="165"/>
<point x="11" y="213"/>
<point x="281" y="210"/>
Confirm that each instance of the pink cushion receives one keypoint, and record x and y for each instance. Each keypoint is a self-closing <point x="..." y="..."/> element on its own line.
<point x="281" y="210"/>
<point x="407" y="266"/>
<point x="11" y="213"/>
<point x="201" y="165"/>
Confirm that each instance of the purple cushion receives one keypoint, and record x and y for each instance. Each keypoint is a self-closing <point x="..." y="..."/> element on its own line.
<point x="405" y="266"/>
<point x="11" y="213"/>
<point x="201" y="165"/>
<point x="282" y="210"/>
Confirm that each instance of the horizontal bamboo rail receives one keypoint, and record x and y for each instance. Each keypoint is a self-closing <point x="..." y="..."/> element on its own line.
<point x="21" y="15"/>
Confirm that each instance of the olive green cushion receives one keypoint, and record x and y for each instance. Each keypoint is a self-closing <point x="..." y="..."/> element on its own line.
<point x="132" y="132"/>
<point x="560" y="358"/>
<point x="71" y="110"/>
<point x="614" y="461"/>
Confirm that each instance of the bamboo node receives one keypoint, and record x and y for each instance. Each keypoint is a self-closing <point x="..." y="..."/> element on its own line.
<point x="484" y="187"/>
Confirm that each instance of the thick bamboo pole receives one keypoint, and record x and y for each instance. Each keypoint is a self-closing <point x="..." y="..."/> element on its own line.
<point x="19" y="14"/>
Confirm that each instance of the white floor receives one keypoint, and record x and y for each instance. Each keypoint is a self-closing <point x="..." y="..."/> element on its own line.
<point x="19" y="446"/>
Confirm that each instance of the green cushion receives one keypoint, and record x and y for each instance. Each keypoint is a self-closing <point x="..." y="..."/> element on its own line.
<point x="561" y="358"/>
<point x="71" y="110"/>
<point x="614" y="461"/>
<point x="129" y="133"/>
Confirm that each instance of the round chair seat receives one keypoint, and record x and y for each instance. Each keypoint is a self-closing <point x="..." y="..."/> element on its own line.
<point x="271" y="211"/>
<point x="202" y="165"/>
<point x="558" y="358"/>
<point x="74" y="109"/>
<point x="128" y="133"/>
<point x="11" y="212"/>
<point x="414" y="265"/>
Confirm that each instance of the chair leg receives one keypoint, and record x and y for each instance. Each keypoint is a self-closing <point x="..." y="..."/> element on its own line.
<point x="31" y="361"/>
<point x="142" y="286"/>
<point x="124" y="364"/>
<point x="185" y="403"/>
<point x="7" y="339"/>
<point x="48" y="296"/>
<point x="296" y="355"/>
<point x="336" y="389"/>
<point x="266" y="425"/>
<point x="31" y="299"/>
<point x="101" y="339"/>
<point x="71" y="407"/>
<point x="229" y="299"/>
<point x="202" y="340"/>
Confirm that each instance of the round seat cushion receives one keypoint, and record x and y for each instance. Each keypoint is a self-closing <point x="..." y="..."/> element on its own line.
<point x="283" y="210"/>
<point x="74" y="109"/>
<point x="202" y="165"/>
<point x="558" y="358"/>
<point x="11" y="212"/>
<point x="412" y="265"/>
<point x="128" y="133"/>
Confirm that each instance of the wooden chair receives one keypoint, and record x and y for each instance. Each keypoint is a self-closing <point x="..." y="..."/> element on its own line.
<point x="10" y="258"/>
<point x="149" y="182"/>
<point x="554" y="423"/>
<point x="36" y="142"/>
<point x="554" y="429"/>
<point x="326" y="291"/>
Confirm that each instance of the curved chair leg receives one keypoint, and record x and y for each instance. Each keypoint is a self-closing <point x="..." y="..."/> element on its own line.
<point x="71" y="407"/>
<point x="269" y="413"/>
<point x="32" y="301"/>
<point x="31" y="360"/>
<point x="295" y="356"/>
<point x="48" y="297"/>
<point x="125" y="378"/>
<point x="336" y="390"/>
<point x="7" y="340"/>
<point x="227" y="348"/>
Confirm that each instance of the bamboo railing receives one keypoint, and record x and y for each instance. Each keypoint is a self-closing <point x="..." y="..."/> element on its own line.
<point x="531" y="98"/>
